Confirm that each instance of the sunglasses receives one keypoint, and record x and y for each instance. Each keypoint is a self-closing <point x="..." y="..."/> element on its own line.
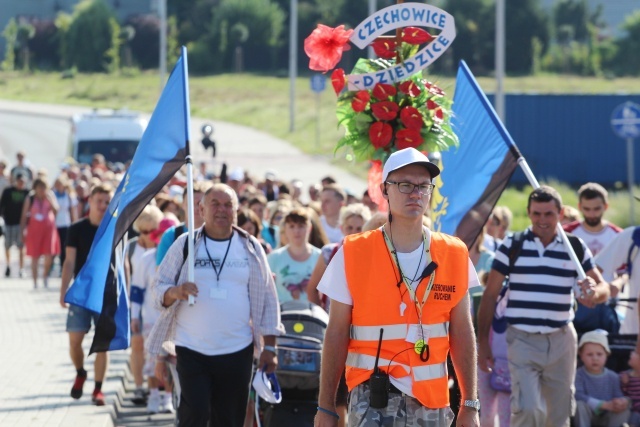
<point x="146" y="231"/>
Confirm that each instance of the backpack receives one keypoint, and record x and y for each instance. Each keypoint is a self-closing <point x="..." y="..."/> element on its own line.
<point x="635" y="244"/>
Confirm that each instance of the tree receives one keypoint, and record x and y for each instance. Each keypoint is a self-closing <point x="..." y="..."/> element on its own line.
<point x="26" y="31"/>
<point x="526" y="22"/>
<point x="10" y="34"/>
<point x="475" y="34"/>
<point x="627" y="60"/>
<point x="263" y="18"/>
<point x="91" y="36"/>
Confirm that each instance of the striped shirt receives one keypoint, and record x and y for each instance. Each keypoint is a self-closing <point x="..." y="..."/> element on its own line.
<point x="264" y="307"/>
<point x="541" y="284"/>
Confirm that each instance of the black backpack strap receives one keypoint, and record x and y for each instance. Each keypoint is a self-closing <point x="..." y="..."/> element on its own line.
<point x="576" y="244"/>
<point x="516" y="248"/>
<point x="178" y="231"/>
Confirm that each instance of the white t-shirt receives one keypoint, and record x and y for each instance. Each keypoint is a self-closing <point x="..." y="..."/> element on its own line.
<point x="219" y="321"/>
<point x="143" y="276"/>
<point x="595" y="241"/>
<point x="333" y="233"/>
<point x="610" y="259"/>
<point x="334" y="285"/>
<point x="65" y="202"/>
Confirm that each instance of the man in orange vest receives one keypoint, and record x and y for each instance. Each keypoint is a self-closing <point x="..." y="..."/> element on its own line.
<point x="399" y="305"/>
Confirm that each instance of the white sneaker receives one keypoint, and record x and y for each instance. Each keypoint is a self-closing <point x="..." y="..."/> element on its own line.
<point x="153" y="404"/>
<point x="167" y="403"/>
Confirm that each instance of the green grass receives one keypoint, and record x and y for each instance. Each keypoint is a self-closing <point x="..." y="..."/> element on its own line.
<point x="262" y="102"/>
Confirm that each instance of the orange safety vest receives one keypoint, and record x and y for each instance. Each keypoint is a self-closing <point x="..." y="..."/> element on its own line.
<point x="372" y="276"/>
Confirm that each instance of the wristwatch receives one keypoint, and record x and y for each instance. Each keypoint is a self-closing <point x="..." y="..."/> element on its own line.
<point x="475" y="404"/>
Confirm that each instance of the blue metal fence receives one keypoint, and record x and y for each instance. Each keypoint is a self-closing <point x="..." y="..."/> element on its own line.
<point x="569" y="137"/>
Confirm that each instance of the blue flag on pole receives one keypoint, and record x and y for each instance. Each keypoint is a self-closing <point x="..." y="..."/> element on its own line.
<point x="100" y="285"/>
<point x="475" y="174"/>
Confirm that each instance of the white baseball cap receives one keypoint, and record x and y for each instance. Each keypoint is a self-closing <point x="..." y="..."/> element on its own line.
<point x="406" y="157"/>
<point x="267" y="387"/>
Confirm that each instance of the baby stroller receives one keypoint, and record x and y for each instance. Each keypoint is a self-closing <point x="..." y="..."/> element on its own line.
<point x="298" y="372"/>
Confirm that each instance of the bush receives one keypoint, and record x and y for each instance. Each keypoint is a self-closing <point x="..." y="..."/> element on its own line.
<point x="145" y="45"/>
<point x="91" y="36"/>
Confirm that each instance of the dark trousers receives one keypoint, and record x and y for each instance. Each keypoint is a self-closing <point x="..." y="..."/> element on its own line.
<point x="214" y="388"/>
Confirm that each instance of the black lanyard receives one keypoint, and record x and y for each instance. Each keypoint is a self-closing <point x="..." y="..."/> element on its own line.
<point x="218" y="273"/>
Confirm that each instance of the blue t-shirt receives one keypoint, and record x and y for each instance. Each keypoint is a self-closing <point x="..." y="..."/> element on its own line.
<point x="292" y="277"/>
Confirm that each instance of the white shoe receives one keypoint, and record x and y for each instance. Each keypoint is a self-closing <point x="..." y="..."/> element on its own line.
<point x="167" y="403"/>
<point x="153" y="404"/>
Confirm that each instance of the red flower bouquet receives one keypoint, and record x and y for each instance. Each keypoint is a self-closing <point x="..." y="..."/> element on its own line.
<point x="390" y="116"/>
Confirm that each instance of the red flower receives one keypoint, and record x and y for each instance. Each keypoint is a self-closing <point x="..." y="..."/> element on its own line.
<point x="432" y="105"/>
<point x="439" y="115"/>
<point x="380" y="134"/>
<point x="385" y="110"/>
<point x="411" y="118"/>
<point x="337" y="80"/>
<point x="406" y="138"/>
<point x="409" y="87"/>
<point x="414" y="35"/>
<point x="383" y="91"/>
<point x="433" y="89"/>
<point x="325" y="46"/>
<point x="360" y="101"/>
<point x="384" y="48"/>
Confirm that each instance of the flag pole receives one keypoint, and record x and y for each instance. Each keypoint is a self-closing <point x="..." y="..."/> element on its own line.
<point x="189" y="163"/>
<point x="565" y="240"/>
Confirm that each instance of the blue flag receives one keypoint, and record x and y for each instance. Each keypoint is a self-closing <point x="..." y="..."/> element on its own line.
<point x="474" y="174"/>
<point x="100" y="285"/>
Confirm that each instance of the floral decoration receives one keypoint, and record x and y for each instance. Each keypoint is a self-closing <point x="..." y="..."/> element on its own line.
<point x="389" y="117"/>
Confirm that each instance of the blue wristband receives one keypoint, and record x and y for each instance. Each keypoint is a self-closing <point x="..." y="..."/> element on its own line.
<point x="326" y="411"/>
<point x="272" y="349"/>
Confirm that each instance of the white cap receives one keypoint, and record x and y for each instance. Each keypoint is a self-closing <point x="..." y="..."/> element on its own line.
<point x="236" y="175"/>
<point x="267" y="387"/>
<point x="406" y="157"/>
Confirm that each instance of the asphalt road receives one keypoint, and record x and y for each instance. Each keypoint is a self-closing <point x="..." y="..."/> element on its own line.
<point x="42" y="131"/>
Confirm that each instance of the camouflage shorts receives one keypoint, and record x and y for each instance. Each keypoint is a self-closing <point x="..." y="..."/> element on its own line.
<point x="402" y="410"/>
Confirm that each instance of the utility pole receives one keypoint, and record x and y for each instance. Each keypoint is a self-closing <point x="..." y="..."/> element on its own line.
<point x="293" y="62"/>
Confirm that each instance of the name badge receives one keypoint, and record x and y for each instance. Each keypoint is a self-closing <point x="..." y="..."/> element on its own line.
<point x="38" y="217"/>
<point x="416" y="333"/>
<point x="217" y="293"/>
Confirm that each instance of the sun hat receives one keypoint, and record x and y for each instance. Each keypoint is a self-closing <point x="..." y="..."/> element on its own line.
<point x="267" y="387"/>
<point x="406" y="157"/>
<point x="595" y="337"/>
<point x="165" y="224"/>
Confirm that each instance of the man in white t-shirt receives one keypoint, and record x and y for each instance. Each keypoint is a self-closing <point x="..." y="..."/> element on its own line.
<point x="593" y="229"/>
<point x="400" y="290"/>
<point x="596" y="232"/>
<point x="609" y="260"/>
<point x="332" y="199"/>
<point x="235" y="310"/>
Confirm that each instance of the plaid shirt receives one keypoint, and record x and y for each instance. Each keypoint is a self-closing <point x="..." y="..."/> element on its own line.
<point x="263" y="300"/>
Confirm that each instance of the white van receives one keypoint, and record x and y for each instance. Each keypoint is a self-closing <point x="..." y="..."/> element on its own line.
<point x="113" y="133"/>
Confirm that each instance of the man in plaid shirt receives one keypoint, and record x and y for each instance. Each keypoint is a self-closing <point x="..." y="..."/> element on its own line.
<point x="236" y="309"/>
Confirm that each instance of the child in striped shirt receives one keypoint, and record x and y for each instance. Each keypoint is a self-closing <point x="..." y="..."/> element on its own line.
<point x="630" y="381"/>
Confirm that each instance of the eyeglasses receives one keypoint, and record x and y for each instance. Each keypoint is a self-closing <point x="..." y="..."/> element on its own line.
<point x="146" y="231"/>
<point x="408" y="187"/>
